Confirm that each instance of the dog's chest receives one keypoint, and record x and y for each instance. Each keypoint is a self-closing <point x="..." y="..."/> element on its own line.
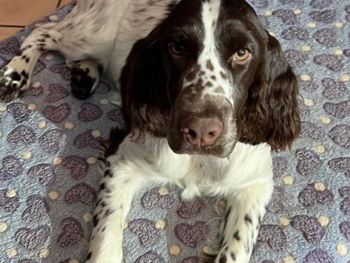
<point x="210" y="175"/>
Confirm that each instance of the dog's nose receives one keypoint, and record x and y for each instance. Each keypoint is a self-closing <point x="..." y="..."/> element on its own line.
<point x="201" y="131"/>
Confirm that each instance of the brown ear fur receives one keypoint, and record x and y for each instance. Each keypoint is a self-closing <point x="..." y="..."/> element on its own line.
<point x="271" y="114"/>
<point x="144" y="87"/>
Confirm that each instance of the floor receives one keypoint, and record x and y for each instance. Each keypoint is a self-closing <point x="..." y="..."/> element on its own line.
<point x="15" y="14"/>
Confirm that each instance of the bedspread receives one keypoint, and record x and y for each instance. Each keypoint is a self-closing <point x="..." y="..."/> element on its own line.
<point x="49" y="148"/>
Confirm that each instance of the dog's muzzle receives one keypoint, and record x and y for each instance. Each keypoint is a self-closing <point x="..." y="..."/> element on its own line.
<point x="202" y="125"/>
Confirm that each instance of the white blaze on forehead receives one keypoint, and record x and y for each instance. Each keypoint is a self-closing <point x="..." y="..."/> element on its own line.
<point x="210" y="16"/>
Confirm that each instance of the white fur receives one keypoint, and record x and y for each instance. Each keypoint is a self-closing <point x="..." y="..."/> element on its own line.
<point x="105" y="30"/>
<point x="244" y="179"/>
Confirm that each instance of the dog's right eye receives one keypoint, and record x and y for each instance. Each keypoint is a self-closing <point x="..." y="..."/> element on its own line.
<point x="176" y="50"/>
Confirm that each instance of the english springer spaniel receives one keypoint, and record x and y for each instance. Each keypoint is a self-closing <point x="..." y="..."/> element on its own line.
<point x="207" y="94"/>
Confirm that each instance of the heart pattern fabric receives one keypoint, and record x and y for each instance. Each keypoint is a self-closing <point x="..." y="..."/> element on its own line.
<point x="50" y="141"/>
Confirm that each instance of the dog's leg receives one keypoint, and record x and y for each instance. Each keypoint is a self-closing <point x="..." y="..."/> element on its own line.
<point x="244" y="212"/>
<point x="72" y="37"/>
<point x="16" y="75"/>
<point x="117" y="190"/>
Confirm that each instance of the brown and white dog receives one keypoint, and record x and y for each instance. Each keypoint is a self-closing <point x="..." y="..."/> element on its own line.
<point x="207" y="94"/>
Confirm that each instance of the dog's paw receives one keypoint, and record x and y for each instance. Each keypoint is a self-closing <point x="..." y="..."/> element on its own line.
<point x="190" y="193"/>
<point x="11" y="82"/>
<point x="84" y="78"/>
<point x="224" y="256"/>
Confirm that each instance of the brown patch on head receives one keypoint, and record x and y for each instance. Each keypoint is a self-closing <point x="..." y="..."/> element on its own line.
<point x="208" y="84"/>
<point x="191" y="93"/>
<point x="223" y="75"/>
<point x="213" y="24"/>
<point x="219" y="90"/>
<point x="201" y="73"/>
<point x="213" y="77"/>
<point x="192" y="73"/>
<point x="210" y="65"/>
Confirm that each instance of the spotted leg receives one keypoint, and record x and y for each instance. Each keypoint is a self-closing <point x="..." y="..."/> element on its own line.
<point x="71" y="37"/>
<point x="244" y="212"/>
<point x="117" y="190"/>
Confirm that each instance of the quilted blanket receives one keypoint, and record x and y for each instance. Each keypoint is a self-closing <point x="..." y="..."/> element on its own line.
<point x="49" y="149"/>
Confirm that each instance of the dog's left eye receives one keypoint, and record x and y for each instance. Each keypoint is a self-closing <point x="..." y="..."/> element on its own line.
<point x="241" y="56"/>
<point x="176" y="50"/>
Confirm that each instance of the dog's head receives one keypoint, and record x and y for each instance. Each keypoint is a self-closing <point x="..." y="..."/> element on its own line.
<point x="208" y="76"/>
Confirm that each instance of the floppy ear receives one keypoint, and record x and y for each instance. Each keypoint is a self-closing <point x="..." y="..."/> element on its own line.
<point x="144" y="87"/>
<point x="271" y="114"/>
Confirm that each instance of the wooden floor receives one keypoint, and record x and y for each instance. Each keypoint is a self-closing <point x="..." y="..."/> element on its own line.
<point x="15" y="14"/>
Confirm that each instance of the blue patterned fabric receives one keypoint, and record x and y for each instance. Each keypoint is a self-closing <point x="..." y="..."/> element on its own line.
<point x="49" y="146"/>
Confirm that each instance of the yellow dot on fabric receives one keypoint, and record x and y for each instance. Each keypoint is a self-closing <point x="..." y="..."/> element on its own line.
<point x="104" y="101"/>
<point x="2" y="107"/>
<point x="42" y="124"/>
<point x="305" y="77"/>
<point x="36" y="84"/>
<point x="319" y="186"/>
<point x="68" y="125"/>
<point x="345" y="77"/>
<point x="49" y="57"/>
<point x="32" y="106"/>
<point x="44" y="253"/>
<point x="96" y="133"/>
<point x="288" y="180"/>
<point x="73" y="260"/>
<point x="272" y="34"/>
<point x="283" y="221"/>
<point x="11" y="252"/>
<point x="267" y="13"/>
<point x="53" y="18"/>
<point x="320" y="149"/>
<point x="174" y="250"/>
<point x="57" y="160"/>
<point x="325" y="120"/>
<point x="342" y="249"/>
<point x="324" y="220"/>
<point x="297" y="11"/>
<point x="309" y="102"/>
<point x="338" y="24"/>
<point x="26" y="155"/>
<point x="208" y="250"/>
<point x="11" y="193"/>
<point x="305" y="48"/>
<point x="87" y="217"/>
<point x="91" y="160"/>
<point x="288" y="259"/>
<point x="311" y="24"/>
<point x="338" y="52"/>
<point x="3" y="227"/>
<point x="163" y="190"/>
<point x="53" y="195"/>
<point x="160" y="224"/>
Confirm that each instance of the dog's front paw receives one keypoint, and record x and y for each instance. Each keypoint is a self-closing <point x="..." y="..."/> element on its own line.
<point x="84" y="78"/>
<point x="223" y="256"/>
<point x="11" y="82"/>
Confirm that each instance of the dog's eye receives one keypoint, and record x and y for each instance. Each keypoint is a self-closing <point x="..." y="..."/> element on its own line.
<point x="176" y="50"/>
<point x="241" y="56"/>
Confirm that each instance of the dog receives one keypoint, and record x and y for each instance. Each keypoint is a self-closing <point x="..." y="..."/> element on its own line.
<point x="207" y="95"/>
